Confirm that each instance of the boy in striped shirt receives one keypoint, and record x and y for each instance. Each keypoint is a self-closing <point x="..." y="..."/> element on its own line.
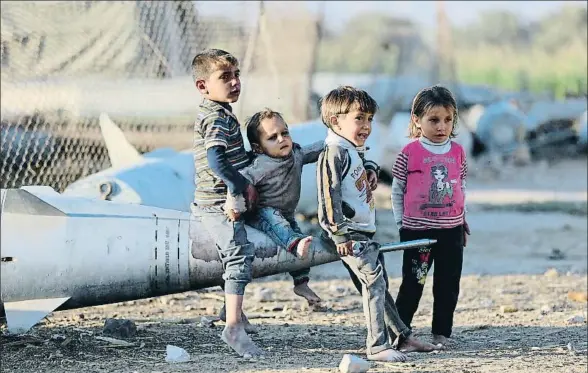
<point x="219" y="154"/>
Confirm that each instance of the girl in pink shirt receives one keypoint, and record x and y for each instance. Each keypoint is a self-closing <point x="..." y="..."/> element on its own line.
<point x="428" y="199"/>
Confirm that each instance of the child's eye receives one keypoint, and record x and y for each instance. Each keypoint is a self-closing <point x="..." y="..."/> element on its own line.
<point x="273" y="137"/>
<point x="285" y="133"/>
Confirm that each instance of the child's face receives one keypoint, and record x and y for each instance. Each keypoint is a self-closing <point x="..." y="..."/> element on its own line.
<point x="437" y="123"/>
<point x="274" y="138"/>
<point x="354" y="126"/>
<point x="223" y="85"/>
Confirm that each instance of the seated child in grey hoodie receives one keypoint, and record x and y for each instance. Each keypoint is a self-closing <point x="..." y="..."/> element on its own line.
<point x="276" y="172"/>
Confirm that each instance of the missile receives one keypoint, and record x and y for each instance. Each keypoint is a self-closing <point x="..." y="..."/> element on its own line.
<point x="140" y="179"/>
<point x="62" y="252"/>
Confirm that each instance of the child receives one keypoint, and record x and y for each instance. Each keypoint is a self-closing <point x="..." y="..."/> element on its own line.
<point x="276" y="174"/>
<point x="428" y="199"/>
<point x="347" y="216"/>
<point x="218" y="155"/>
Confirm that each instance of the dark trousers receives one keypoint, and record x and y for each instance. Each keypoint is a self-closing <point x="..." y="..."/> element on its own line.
<point x="447" y="254"/>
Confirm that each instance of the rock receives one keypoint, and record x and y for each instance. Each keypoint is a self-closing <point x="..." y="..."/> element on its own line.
<point x="188" y="308"/>
<point x="175" y="354"/>
<point x="577" y="320"/>
<point x="556" y="254"/>
<point x="264" y="295"/>
<point x="120" y="328"/>
<point x="205" y="322"/>
<point x="508" y="309"/>
<point x="547" y="309"/>
<point x="551" y="273"/>
<point x="353" y="364"/>
<point x="578" y="296"/>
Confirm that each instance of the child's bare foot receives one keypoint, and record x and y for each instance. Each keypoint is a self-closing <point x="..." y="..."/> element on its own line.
<point x="239" y="341"/>
<point x="314" y="301"/>
<point x="303" y="246"/>
<point x="389" y="355"/>
<point x="441" y="340"/>
<point x="249" y="327"/>
<point x="411" y="344"/>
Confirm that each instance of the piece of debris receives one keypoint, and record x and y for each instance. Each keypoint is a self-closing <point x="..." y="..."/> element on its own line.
<point x="353" y="364"/>
<point x="577" y="320"/>
<point x="578" y="296"/>
<point x="508" y="309"/>
<point x="547" y="309"/>
<point x="116" y="342"/>
<point x="556" y="254"/>
<point x="58" y="337"/>
<point x="120" y="328"/>
<point x="205" y="322"/>
<point x="264" y="295"/>
<point x="175" y="354"/>
<point x="551" y="273"/>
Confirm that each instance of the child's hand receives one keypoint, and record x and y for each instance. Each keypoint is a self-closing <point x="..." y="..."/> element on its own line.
<point x="466" y="233"/>
<point x="234" y="206"/>
<point x="233" y="215"/>
<point x="251" y="197"/>
<point x="345" y="248"/>
<point x="372" y="179"/>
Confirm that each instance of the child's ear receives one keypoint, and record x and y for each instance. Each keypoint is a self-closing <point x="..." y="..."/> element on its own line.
<point x="256" y="148"/>
<point x="333" y="121"/>
<point x="416" y="120"/>
<point x="201" y="86"/>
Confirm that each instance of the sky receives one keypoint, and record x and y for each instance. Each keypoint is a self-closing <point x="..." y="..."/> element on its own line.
<point x="423" y="12"/>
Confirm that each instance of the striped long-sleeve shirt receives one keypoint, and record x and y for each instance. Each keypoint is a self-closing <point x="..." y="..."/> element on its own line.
<point x="216" y="126"/>
<point x="399" y="189"/>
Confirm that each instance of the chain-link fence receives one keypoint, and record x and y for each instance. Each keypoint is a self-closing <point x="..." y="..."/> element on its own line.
<point x="64" y="63"/>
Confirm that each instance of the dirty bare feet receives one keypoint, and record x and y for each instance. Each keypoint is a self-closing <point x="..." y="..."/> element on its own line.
<point x="249" y="327"/>
<point x="411" y="344"/>
<point x="389" y="355"/>
<point x="314" y="301"/>
<point x="440" y="340"/>
<point x="239" y="341"/>
<point x="303" y="246"/>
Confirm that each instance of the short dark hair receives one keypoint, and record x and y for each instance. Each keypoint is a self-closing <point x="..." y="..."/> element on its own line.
<point x="252" y="124"/>
<point x="209" y="60"/>
<point x="344" y="99"/>
<point x="425" y="100"/>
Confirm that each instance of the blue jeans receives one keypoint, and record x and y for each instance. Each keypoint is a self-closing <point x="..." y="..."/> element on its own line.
<point x="284" y="231"/>
<point x="235" y="251"/>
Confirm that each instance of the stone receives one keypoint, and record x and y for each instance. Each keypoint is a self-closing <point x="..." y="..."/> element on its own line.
<point x="120" y="328"/>
<point x="551" y="273"/>
<point x="508" y="309"/>
<point x="264" y="295"/>
<point x="577" y="320"/>
<point x="353" y="364"/>
<point x="578" y="296"/>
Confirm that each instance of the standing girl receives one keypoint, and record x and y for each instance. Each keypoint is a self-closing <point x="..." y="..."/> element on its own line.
<point x="428" y="200"/>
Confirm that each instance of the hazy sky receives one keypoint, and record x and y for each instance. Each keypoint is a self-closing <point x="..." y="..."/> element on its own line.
<point x="423" y="12"/>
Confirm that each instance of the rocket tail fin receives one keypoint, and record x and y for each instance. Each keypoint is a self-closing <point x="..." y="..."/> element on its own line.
<point x="23" y="315"/>
<point x="120" y="151"/>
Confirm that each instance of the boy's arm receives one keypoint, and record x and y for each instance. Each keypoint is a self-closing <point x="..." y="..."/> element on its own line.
<point x="310" y="153"/>
<point x="215" y="143"/>
<point x="333" y="163"/>
<point x="399" y="174"/>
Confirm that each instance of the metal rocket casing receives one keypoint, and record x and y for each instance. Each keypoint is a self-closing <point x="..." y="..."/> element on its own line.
<point x="62" y="252"/>
<point x="98" y="252"/>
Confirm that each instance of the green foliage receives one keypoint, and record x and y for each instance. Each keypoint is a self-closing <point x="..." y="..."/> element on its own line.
<point x="498" y="49"/>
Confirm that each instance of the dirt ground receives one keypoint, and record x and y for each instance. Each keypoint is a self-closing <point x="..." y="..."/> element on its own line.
<point x="515" y="312"/>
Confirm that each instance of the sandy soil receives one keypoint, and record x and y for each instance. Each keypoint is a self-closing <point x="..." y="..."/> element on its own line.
<point x="526" y="262"/>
